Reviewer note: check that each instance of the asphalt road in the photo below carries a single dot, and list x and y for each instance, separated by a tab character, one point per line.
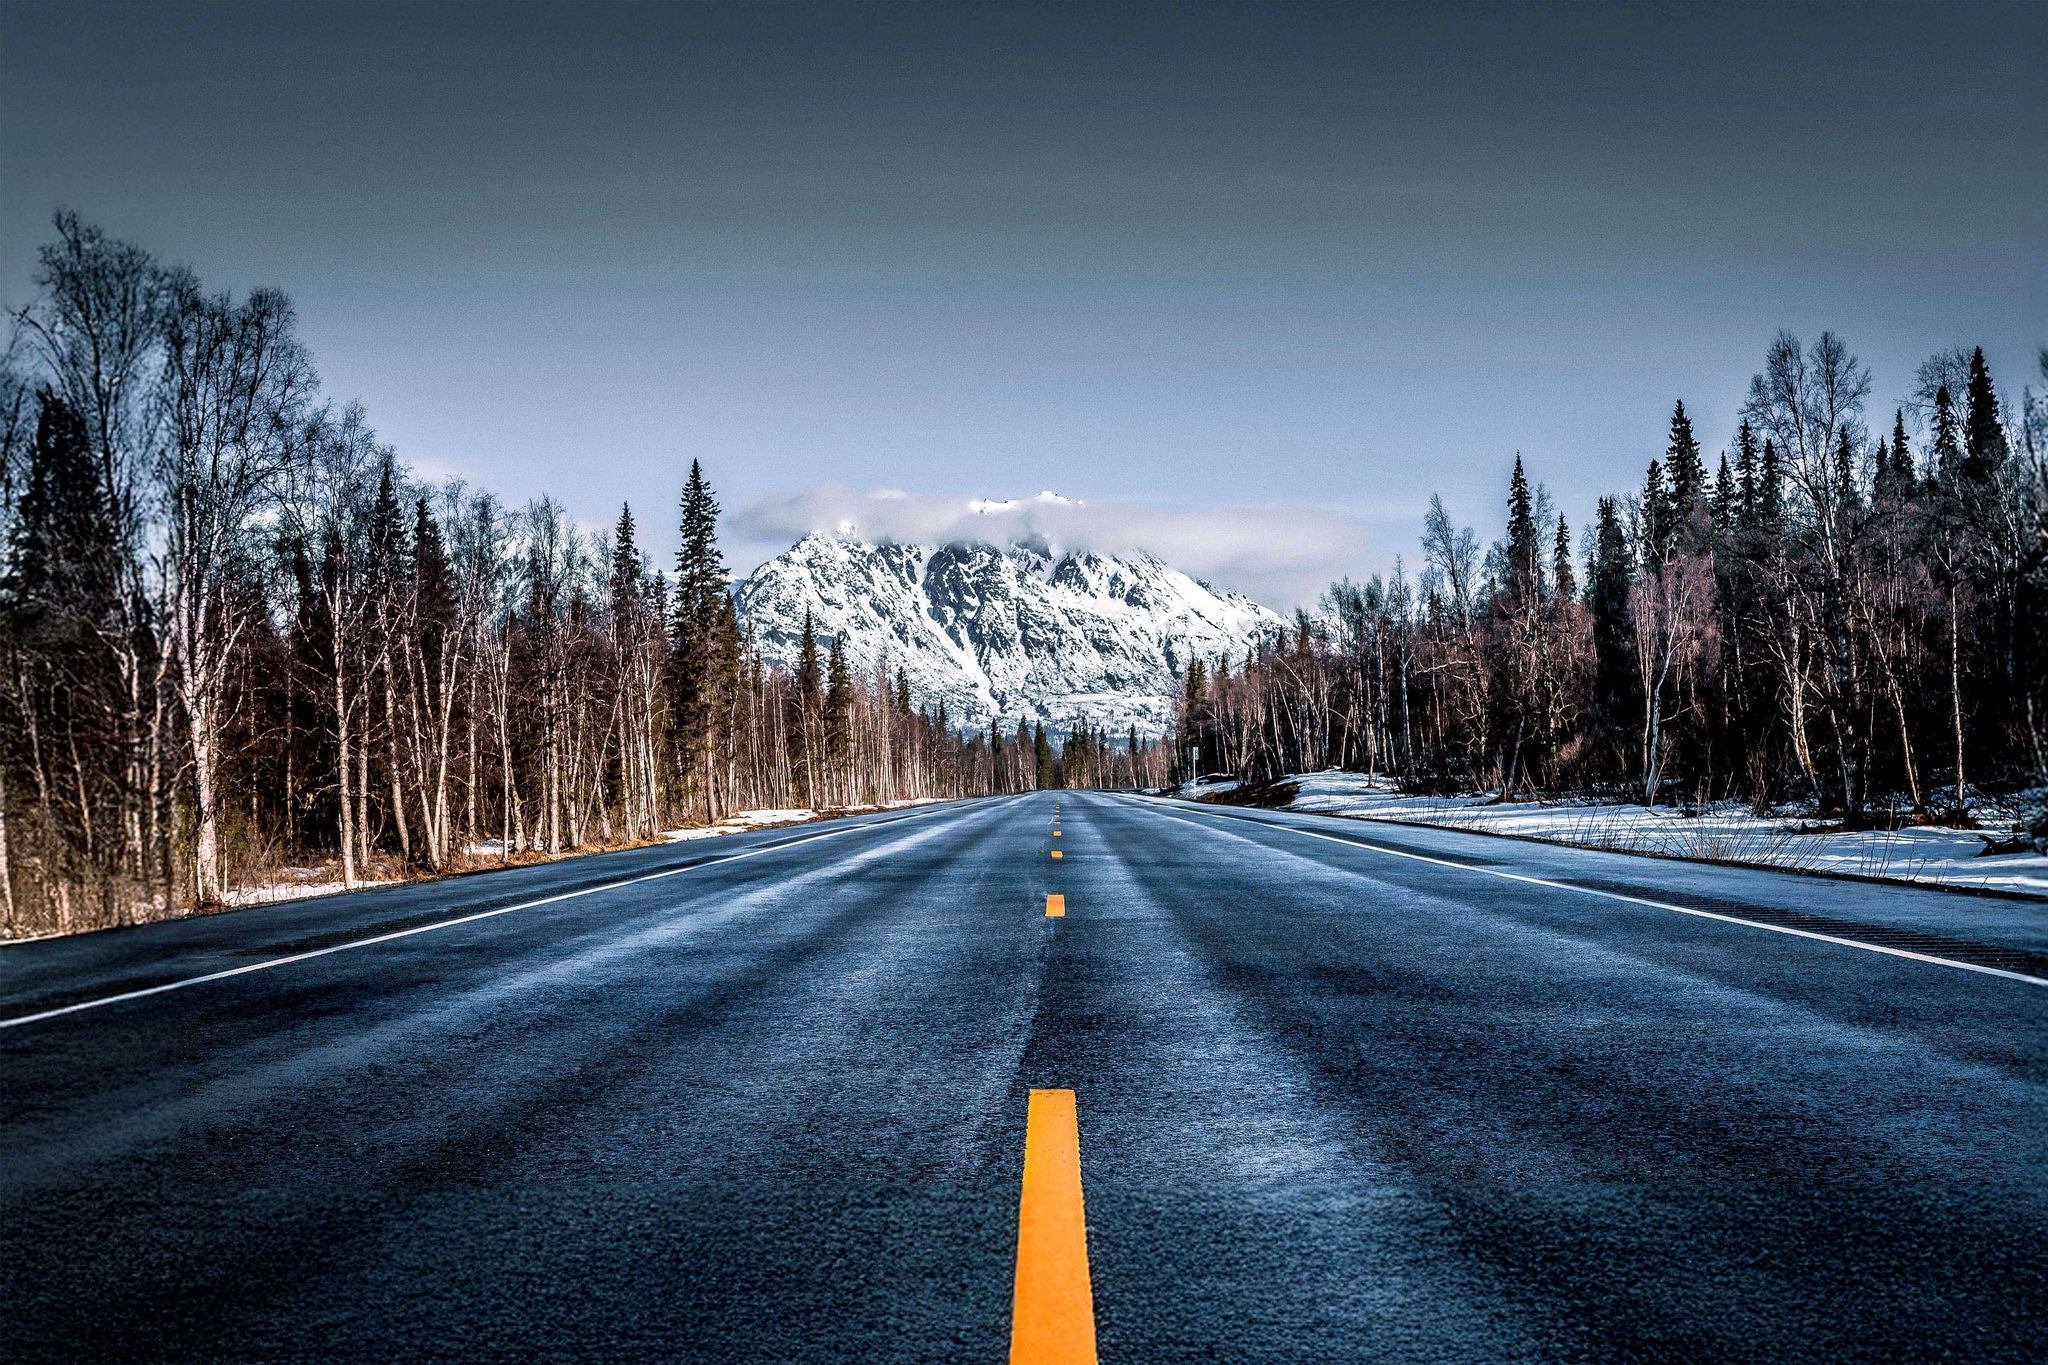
1344	1092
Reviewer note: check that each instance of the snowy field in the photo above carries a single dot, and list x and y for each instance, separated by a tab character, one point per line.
1725	833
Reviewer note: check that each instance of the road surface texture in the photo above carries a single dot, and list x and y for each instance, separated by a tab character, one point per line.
1344	1092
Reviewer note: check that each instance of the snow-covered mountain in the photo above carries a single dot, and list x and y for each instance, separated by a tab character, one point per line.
1005	634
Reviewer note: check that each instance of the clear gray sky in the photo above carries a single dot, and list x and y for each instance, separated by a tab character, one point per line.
1177	261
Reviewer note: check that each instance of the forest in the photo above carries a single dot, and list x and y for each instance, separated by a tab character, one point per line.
238	636
1847	614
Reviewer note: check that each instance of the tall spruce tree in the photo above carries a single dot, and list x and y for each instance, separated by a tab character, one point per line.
1770	496
809	676
1683	468
1563	583
695	621
1727	502
1904	476
57	554
807	704
1983	431
434	578
700	567
1945	444
838	706
1658	520
1615	681
1746	474
387	530
623	582
1523	564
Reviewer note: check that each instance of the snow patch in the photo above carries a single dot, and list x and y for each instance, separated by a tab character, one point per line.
295	890
1728	832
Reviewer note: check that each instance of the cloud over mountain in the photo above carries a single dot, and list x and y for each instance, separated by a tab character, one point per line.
1281	555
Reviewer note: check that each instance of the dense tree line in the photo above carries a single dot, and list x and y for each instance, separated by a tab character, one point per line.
237	634
1848	618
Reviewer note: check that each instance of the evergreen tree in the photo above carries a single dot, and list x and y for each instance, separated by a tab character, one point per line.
1904	477
697	624
1983	431
626	569
1658	522
1746	475
809	676
700	566
1727	503
838	707
1770	497
434	580
57	547
1684	468
387	531
1945	449
1522	560
1041	753
1845	473
728	648
1564	584
1615	682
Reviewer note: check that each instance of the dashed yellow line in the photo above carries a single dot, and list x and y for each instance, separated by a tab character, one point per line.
1056	906
1053	1314
1055	853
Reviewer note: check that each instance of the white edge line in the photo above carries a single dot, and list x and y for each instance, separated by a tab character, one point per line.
1631	900
447	923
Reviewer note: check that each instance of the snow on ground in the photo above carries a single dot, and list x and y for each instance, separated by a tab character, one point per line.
293	890
1215	786
297	882
1729	832
741	821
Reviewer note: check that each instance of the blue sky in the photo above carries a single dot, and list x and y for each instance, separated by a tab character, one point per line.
1181	262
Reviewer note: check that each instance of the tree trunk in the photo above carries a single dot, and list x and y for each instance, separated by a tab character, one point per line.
6	867
348	810
1955	691
206	889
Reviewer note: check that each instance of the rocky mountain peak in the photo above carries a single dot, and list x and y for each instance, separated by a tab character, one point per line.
1005	633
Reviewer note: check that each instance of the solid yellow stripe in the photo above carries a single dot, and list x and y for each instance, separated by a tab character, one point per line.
1055	905
1053	1314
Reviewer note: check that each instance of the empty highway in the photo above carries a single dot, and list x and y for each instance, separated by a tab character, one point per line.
1342	1092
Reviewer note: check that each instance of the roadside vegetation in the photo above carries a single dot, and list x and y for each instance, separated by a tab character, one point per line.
245	650
1844	617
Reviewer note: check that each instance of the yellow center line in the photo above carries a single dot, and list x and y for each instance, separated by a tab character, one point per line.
1056	906
1055	853
1053	1315
1055	834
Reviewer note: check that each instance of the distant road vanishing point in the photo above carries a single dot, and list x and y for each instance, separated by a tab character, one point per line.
1213	1085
